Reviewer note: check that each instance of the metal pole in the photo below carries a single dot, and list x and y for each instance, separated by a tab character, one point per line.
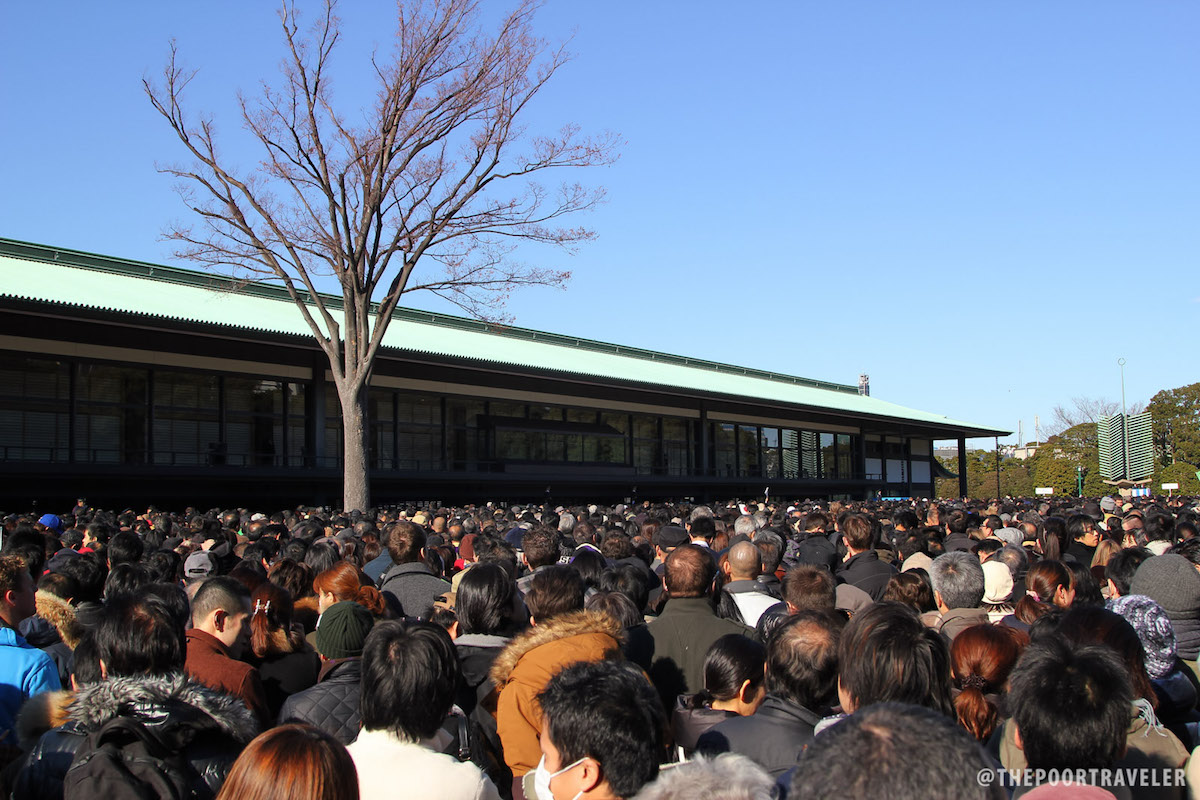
996	440
1124	420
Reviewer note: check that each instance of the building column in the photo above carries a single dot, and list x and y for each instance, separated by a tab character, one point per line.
962	467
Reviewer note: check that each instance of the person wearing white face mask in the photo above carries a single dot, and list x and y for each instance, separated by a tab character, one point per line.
602	734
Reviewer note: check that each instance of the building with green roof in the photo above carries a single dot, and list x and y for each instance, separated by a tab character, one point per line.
126	382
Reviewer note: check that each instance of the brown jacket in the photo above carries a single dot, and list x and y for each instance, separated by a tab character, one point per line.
209	662
526	665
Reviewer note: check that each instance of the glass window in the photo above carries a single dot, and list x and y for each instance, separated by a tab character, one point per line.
645	427
828	456
675	429
748	463
810	455
724	450
790	456
587	415
499	408
254	430
546	412
419	409
111	423
846	448
616	421
34	409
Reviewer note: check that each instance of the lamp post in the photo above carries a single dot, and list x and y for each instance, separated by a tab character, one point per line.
1124	419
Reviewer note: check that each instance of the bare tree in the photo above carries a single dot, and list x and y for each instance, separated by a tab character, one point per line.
1085	409
431	188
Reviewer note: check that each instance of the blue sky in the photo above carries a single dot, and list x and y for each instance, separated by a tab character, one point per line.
983	206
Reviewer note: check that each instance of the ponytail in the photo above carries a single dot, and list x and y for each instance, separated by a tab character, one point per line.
372	600
975	712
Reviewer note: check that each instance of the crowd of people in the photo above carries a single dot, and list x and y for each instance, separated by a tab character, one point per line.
729	651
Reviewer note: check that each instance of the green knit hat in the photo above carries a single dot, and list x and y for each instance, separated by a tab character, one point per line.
342	629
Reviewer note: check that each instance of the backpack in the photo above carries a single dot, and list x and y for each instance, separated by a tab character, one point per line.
125	760
474	738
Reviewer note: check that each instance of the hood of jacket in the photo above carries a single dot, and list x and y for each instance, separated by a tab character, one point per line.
576	623
61	615
161	700
40	713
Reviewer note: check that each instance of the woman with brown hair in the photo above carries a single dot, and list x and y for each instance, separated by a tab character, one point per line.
284	660
1048	585
344	581
292	762
981	657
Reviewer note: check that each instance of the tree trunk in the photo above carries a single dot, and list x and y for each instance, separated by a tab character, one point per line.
356	479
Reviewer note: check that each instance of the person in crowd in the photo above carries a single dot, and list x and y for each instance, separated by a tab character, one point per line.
912	589
1048	585
1085	536
997	590
561	633
1057	680
637	646
727	776
688	625
218	638
734	685
603	733
742	567
1173	582
343	581
862	568
285	662
332	704
981	658
802	687
54	629
770	548
409	586
958	589
25	670
1175	693
141	648
896	751
297	762
539	549
410	672
886	654
483	629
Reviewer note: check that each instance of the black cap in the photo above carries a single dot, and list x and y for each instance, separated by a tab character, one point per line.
670	536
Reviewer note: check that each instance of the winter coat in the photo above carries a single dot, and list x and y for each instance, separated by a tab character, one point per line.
160	702
1177	697
209	662
390	767
332	704
773	737
526	665
1150	746
284	675
55	631
867	572
24	672
682	635
957	620
410	589
689	724
477	652
751	599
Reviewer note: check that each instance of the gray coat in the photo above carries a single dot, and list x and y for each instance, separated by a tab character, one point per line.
410	589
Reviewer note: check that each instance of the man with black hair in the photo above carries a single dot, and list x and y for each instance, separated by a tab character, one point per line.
1085	536
124	548
602	733
1056	681
220	633
801	682
896	751
409	586
688	625
1120	569
862	567
141	648
409	675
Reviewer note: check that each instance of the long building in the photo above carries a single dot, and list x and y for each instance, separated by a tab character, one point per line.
127	382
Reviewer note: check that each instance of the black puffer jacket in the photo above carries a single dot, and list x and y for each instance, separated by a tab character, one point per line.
773	737
331	705
162	703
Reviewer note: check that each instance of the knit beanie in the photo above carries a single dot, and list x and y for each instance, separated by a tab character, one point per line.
1171	581
1153	628
342	630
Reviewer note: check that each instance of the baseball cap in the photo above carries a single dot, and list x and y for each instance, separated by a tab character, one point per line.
199	565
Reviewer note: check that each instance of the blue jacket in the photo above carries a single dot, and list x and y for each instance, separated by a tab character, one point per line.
24	672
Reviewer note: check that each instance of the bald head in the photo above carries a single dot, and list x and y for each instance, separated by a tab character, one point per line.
744	560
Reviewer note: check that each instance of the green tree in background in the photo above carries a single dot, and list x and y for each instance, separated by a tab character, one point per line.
1060	456
1176	416
1179	472
1015	477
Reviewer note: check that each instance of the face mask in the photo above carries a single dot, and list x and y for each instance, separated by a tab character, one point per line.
542	778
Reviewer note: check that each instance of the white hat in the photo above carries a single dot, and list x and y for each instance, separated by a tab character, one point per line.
997	582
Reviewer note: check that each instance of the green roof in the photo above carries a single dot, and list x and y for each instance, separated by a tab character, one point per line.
73	278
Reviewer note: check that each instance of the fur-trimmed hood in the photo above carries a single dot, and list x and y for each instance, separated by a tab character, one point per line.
40	713
576	623
160	700
61	615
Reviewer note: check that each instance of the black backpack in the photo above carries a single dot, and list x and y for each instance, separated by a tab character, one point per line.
474	738
125	760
